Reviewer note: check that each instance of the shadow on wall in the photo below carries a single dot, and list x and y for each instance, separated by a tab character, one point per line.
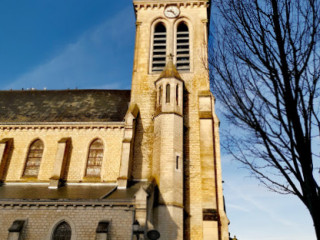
186	166
163	219
6	159
24	233
137	157
66	161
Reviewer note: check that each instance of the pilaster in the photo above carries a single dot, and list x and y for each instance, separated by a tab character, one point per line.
6	147
61	160
127	146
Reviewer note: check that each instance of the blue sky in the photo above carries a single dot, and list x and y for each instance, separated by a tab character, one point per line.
59	44
65	44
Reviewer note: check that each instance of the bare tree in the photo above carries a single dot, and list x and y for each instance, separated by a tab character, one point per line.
265	69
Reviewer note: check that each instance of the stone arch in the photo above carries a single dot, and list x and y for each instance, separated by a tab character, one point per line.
57	223
62	231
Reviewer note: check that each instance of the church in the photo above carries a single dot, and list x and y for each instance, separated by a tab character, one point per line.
120	164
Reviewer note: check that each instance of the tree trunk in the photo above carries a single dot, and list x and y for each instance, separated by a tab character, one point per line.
315	214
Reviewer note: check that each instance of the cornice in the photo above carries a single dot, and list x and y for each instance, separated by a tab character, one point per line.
62	126
20	204
143	4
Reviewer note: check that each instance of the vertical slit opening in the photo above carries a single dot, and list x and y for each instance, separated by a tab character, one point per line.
168	93
177	162
177	94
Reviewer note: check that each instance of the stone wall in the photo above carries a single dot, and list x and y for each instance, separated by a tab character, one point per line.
198	162
81	137
202	184
41	221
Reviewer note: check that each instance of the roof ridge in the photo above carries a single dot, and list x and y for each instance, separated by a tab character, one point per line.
64	90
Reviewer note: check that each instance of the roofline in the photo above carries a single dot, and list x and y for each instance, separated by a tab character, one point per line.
105	202
168	1
62	123
63	90
112	184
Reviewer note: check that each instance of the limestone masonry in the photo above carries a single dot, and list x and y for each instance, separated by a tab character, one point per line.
118	164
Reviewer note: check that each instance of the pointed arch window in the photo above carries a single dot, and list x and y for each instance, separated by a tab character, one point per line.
183	47
34	159
62	232
95	157
168	93
159	50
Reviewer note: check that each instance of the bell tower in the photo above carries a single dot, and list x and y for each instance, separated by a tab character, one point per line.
176	141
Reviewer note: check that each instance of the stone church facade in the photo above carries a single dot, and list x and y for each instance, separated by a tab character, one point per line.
119	164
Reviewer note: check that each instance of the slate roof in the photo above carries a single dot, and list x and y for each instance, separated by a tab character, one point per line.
79	192
42	192
63	106
170	71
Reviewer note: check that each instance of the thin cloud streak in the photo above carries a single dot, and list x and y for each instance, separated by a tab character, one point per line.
238	207
258	205
92	58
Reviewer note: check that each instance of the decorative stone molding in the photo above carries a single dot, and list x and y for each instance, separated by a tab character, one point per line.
151	5
62	126
65	205
205	104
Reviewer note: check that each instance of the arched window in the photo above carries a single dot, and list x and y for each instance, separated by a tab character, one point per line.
95	157
159	50
168	93
62	232
183	47
177	94
33	159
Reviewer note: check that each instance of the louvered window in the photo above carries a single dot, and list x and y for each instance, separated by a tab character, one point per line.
95	157
34	159
183	48
159	50
62	232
